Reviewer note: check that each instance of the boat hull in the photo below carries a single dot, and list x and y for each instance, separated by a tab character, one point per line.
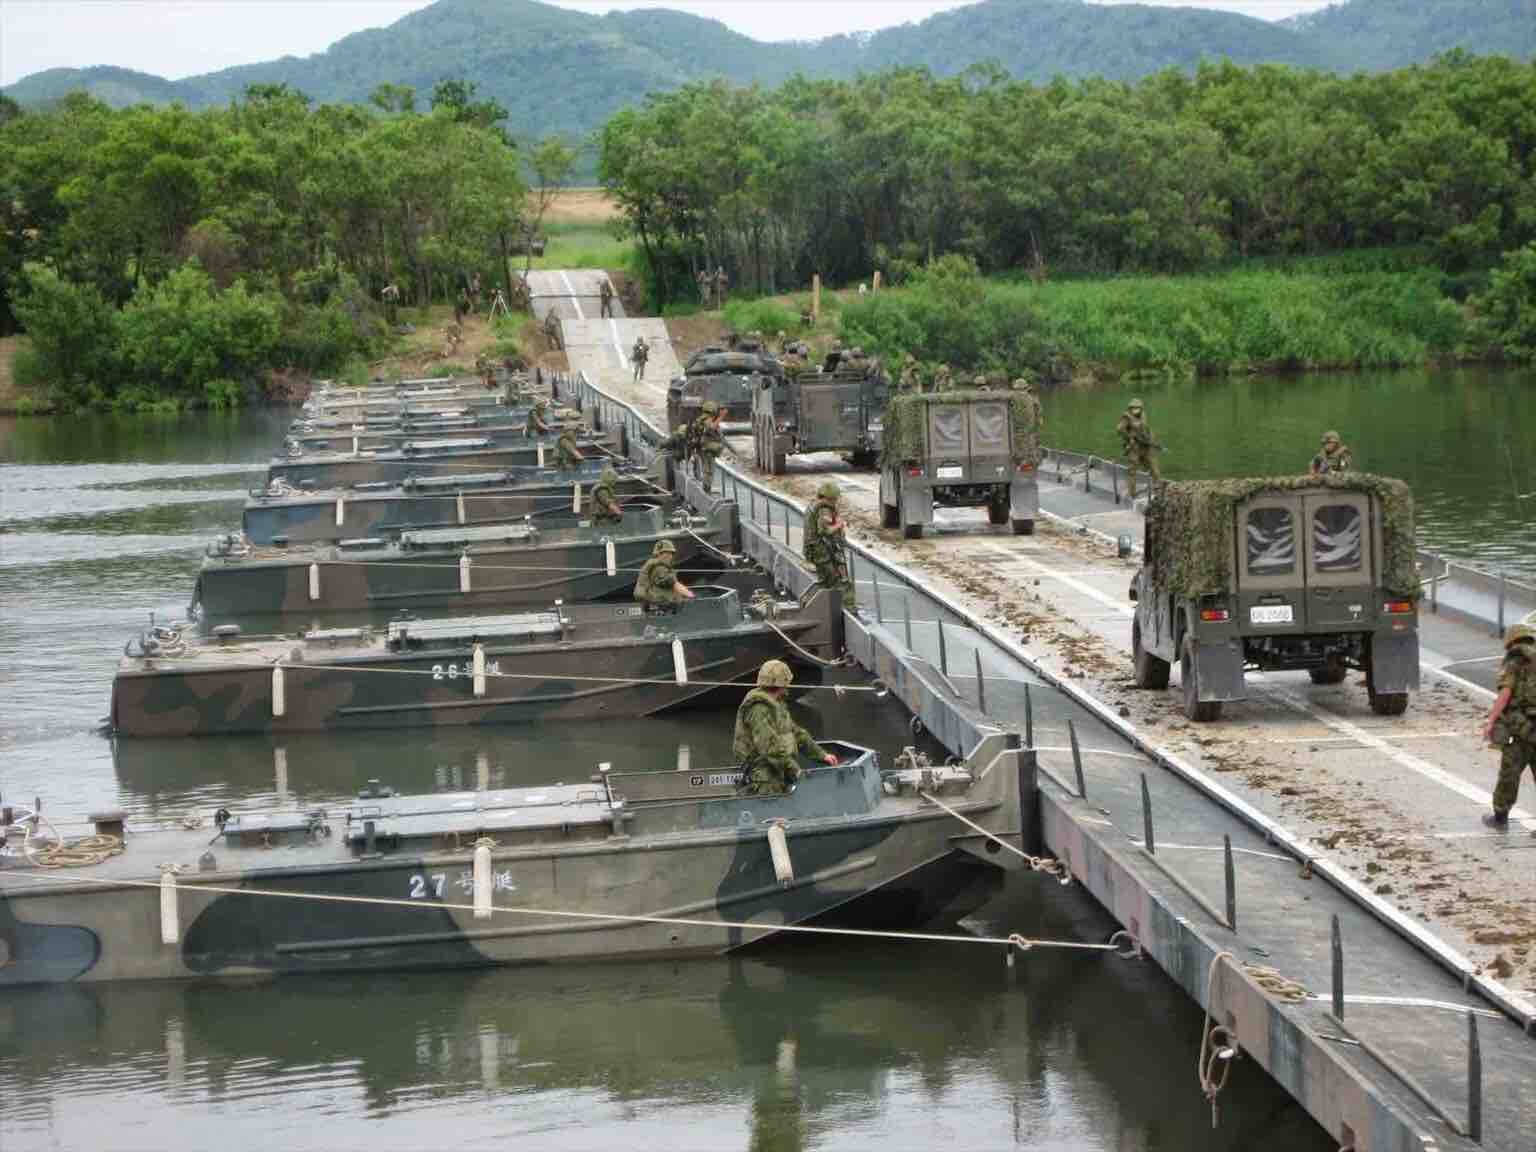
341	471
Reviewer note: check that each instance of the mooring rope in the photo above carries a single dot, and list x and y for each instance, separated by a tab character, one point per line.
1216	1045
1046	864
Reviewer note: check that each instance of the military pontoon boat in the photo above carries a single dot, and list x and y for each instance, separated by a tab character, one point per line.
428	456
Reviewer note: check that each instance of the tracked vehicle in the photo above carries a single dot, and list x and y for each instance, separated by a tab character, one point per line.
839	407
729	377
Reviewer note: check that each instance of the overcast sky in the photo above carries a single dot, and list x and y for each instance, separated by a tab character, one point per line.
176	38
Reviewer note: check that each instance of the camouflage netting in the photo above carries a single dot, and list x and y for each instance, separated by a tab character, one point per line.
906	423
1199	513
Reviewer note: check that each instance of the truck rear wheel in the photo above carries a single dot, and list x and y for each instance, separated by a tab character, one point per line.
1023	527
1150	670
908	531
1196	709
890	516
997	510
1382	703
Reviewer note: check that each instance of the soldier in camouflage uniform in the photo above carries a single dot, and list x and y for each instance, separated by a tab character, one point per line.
826	548
942	382
605	499
1511	726
706	441
538	419
1024	391
567	455
605	299
1333	457
1137	444
767	740
639	354
553	333
658	585
909	378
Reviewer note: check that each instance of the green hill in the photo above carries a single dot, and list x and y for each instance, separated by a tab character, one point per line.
560	70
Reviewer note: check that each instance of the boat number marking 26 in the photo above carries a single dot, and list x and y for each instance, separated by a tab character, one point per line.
465	670
434	885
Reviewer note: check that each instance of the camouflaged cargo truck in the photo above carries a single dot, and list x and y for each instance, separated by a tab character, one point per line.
1286	573
839	407
959	449
727	376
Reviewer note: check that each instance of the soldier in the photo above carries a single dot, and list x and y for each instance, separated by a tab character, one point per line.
606	508
767	740
567	455
1333	457
553	333
391	298
487	372
1511	726
707	441
1024	390
658	585
826	547
941	379
704	281
1137	443
639	354
605	298
722	282
782	339
909	378
538	419
980	384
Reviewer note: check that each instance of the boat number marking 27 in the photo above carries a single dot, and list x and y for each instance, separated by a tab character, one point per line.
434	885
465	670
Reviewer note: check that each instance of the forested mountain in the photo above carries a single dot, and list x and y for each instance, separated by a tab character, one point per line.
561	70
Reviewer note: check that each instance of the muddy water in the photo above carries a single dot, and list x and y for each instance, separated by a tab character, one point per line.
890	1047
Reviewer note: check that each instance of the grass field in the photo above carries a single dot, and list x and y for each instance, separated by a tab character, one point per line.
578	226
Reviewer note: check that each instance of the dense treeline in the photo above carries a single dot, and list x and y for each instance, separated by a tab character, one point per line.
163	254
1176	173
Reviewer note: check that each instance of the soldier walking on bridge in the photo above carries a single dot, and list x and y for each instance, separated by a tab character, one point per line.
1511	726
605	299
826	545
639	354
767	742
1137	444
706	442
1334	456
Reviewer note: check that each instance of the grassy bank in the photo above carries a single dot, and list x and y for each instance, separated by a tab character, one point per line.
1258	320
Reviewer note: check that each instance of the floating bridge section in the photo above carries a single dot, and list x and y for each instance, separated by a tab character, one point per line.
1384	1034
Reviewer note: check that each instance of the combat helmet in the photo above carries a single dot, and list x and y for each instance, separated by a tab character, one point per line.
664	548
608	478
1022	384
829	491
1330	437
1135	405
1521	633
774	674
710	408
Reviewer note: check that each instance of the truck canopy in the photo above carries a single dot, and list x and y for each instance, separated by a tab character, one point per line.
1190	528
906	422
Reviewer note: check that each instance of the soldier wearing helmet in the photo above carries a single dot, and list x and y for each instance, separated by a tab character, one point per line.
1137	444
1333	456
538	418
658	585
1511	726
1027	404
768	742
567	455
825	546
706	441
942	379
605	498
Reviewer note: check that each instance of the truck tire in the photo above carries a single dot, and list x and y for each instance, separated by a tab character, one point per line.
777	460
1150	671
997	510
908	531
890	515
1333	671
1200	711
1382	703
1023	527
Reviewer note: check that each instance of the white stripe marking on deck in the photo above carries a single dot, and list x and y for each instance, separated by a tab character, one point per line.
570	291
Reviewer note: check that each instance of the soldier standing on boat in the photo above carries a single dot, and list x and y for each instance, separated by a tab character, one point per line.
767	740
707	441
538	418
825	546
658	585
639	354
1137	444
605	299
1334	456
1511	726
606	508
567	455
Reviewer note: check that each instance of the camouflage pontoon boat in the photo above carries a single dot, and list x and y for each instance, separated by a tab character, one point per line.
459	568
554	498
425	457
569	662
629	865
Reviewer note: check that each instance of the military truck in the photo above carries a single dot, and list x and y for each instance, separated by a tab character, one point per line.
729	377
837	407
1284	573
959	449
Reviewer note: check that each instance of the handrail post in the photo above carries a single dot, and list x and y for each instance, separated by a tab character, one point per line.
1077	761
981	683
1029	719
944	654
1231	876
1146	817
1337	952
1474	1081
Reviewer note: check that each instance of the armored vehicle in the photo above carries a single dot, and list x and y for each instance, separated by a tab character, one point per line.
1304	573
959	449
626	865
729	377
839	407
568	662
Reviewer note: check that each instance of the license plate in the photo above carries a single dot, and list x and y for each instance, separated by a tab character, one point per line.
877	425
1271	614
950	472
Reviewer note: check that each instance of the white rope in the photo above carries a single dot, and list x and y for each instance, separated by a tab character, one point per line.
1046	864
1214	1040
1016	941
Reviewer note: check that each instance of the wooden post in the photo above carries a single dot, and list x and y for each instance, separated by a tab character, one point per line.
816	298
875	281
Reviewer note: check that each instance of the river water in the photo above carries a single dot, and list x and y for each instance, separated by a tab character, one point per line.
826	1046
1464	440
